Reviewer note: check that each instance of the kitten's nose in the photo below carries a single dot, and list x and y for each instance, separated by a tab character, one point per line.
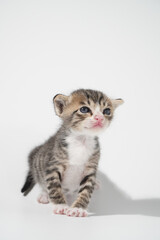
99	118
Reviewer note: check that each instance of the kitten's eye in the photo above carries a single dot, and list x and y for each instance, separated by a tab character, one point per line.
107	111
84	109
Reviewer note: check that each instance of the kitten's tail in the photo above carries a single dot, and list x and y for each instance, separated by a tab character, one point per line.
28	185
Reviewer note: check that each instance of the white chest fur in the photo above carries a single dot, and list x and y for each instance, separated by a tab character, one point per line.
80	148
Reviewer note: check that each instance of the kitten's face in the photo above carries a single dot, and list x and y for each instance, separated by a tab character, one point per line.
86	111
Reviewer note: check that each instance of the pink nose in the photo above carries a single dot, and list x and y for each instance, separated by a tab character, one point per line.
99	118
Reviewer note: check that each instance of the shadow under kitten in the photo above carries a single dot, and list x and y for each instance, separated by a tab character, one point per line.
110	200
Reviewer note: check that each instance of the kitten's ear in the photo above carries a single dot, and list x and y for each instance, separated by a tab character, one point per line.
117	102
60	101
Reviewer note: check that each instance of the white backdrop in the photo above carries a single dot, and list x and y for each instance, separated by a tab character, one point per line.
50	47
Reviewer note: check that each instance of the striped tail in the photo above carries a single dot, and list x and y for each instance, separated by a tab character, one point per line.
29	184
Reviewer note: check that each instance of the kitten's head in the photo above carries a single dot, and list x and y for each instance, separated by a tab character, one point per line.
86	111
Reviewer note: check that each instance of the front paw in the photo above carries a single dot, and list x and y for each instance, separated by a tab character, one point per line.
76	212
60	208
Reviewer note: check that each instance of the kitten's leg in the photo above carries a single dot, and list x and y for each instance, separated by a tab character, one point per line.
86	188
53	183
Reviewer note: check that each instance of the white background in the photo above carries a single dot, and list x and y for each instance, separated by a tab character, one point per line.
49	47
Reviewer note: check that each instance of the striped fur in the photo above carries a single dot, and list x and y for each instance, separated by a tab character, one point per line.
53	164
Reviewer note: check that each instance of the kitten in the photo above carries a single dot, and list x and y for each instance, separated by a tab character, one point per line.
65	166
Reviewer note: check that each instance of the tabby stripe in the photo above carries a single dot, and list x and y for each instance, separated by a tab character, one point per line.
58	199
82	103
48	171
58	196
76	122
50	179
75	112
88	188
86	178
55	197
54	170
71	117
63	143
54	192
87	95
84	198
100	99
60	178
53	185
81	204
53	162
97	152
80	116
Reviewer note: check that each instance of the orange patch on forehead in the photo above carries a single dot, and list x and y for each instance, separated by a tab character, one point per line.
74	103
78	98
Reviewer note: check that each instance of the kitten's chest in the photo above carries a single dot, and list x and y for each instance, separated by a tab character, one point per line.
80	148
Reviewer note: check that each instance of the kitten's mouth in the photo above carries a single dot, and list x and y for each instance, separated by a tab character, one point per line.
96	125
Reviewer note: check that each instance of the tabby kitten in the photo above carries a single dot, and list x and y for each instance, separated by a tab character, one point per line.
65	166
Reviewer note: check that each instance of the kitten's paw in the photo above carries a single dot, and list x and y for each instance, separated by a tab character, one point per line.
60	208
76	212
43	198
